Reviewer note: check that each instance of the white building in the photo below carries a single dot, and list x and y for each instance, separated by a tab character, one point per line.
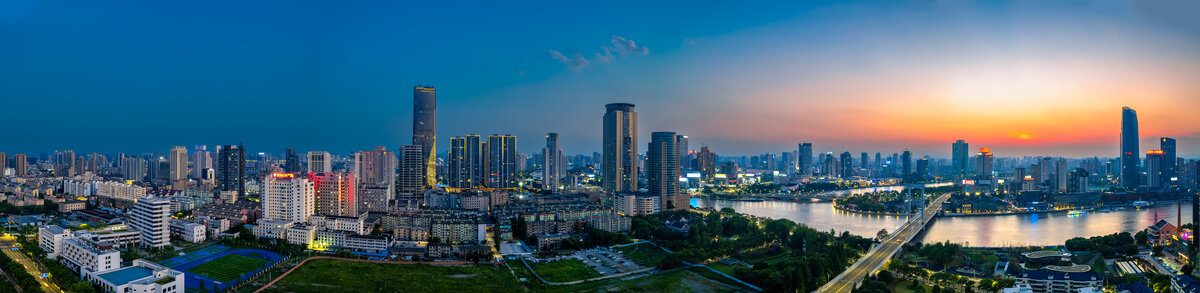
348	224
273	229
319	162
286	197
188	231
50	239
119	237
141	277
85	256
300	234
150	216
636	205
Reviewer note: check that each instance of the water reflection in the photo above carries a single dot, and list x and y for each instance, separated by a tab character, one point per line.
989	231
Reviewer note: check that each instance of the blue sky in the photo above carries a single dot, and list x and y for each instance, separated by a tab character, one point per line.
140	76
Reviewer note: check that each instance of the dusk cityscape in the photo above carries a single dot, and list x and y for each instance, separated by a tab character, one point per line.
403	146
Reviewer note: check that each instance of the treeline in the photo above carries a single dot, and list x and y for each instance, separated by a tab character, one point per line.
47	205
1107	245
59	274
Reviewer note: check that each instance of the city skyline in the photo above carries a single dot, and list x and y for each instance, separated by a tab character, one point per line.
1036	86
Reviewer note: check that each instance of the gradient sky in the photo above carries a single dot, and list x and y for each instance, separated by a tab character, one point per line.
1023	77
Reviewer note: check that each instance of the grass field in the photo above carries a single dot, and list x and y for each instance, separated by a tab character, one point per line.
326	276
227	268
645	254
671	281
564	270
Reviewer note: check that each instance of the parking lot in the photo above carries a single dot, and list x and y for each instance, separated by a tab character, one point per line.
605	261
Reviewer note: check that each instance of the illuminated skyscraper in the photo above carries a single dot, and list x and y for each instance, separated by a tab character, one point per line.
287	197
620	148
178	160
333	194
465	165
501	167
958	165
1129	149
906	164
1170	164
805	160
231	169
1155	167
847	167
662	170
410	177
424	131
707	163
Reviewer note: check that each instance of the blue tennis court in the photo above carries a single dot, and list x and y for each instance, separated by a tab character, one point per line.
195	255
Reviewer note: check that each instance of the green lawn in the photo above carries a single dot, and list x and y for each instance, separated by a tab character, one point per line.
680	281
724	268
326	276
563	270
645	254
228	268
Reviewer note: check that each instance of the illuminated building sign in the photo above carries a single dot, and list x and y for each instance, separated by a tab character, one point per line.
283	175
1154	152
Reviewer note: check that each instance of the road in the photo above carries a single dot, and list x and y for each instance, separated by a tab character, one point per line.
7	243
879	256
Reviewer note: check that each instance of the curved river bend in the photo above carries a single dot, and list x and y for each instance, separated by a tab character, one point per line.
977	231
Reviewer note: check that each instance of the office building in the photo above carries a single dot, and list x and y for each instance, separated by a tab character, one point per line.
333	194
150	217
958	164
187	231
501	165
177	161
1129	149
84	256
662	170
1170	162
287	197
231	169
620	166
1078	181
984	164
922	169
424	131
1062	176
681	141
906	164
706	161
1155	167
553	166
142	277
201	161
50	239
291	161
465	164
846	169
376	171
319	162
410	183
805	160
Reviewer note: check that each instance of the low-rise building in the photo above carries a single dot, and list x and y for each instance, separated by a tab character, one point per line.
71	206
50	239
272	229
637	204
188	231
119	237
84	256
367	243
356	225
551	241
301	234
1059	282
610	223
141	277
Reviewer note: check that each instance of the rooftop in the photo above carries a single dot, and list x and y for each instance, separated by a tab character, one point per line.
126	275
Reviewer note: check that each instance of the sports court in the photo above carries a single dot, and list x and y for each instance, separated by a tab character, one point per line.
219	268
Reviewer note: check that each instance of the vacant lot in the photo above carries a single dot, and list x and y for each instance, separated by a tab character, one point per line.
645	254
563	270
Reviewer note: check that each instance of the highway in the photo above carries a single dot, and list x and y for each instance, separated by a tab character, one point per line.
877	257
7	243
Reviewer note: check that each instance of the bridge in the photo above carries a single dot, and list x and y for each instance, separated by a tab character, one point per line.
877	257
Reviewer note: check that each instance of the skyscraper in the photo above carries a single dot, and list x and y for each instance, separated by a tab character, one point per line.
959	156
847	167
3	163
922	169
707	162
906	164
319	162
1155	167
465	165
424	131
1129	149
1170	164
64	163
21	165
287	197
333	194
662	169
231	169
177	160
291	161
682	142
620	148
201	161
1062	176
984	164
806	160
410	176
376	171
553	166
501	164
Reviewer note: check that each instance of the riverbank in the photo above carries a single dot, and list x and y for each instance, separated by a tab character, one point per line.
1009	213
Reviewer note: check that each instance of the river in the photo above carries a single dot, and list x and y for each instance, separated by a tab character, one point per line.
976	231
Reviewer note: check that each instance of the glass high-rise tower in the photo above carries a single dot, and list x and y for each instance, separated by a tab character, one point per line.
620	148
1129	149
424	131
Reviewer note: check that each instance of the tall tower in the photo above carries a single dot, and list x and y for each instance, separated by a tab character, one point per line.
1170	164
20	164
464	167
620	148
1129	149
410	178
1155	167
177	159
424	131
847	167
291	161
501	161
287	197
333	194
906	164
231	169
806	160
376	171
553	166
662	169
959	157
201	161
707	163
